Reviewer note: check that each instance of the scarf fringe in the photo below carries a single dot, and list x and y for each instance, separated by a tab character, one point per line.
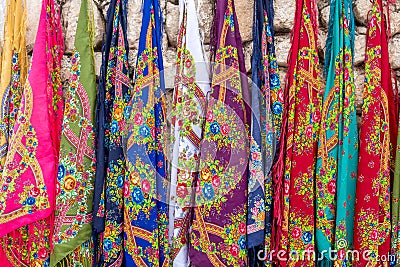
82	256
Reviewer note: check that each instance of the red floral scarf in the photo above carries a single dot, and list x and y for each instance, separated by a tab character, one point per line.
377	142
293	228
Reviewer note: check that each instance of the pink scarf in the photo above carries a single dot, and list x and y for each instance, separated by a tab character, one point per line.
27	184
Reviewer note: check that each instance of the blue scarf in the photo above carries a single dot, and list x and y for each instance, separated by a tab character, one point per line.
267	104
112	112
145	209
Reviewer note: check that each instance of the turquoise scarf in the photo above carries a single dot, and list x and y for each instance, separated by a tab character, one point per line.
338	143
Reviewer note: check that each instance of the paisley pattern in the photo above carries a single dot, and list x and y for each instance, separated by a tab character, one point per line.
112	113
219	230
145	186
188	117
77	166
294	173
378	133
336	170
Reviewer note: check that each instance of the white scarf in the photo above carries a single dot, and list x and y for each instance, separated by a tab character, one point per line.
191	89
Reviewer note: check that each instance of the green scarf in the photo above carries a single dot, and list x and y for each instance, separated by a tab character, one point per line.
73	216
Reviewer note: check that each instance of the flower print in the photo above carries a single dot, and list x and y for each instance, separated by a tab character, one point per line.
321	213
277	108
134	178
309	131
216	181
31	200
214	128
269	137
144	131
34	191
307	237
208	191
127	111
61	172
332	187
145	186
118	113
126	189
107	244
296	232
205	174
181	190
316	116
374	235
198	187
242	228
254	156
242	242
286	185
385	127
274	79
120	181
42	253
225	129
234	250
114	126
137	195
69	183
138	119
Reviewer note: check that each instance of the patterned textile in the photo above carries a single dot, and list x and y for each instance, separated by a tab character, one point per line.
378	133
219	227
13	72
336	170
28	179
112	113
293	228
395	207
145	189
76	169
2	20
192	84
267	109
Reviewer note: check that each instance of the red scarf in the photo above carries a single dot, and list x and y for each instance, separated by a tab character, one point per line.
377	142
294	172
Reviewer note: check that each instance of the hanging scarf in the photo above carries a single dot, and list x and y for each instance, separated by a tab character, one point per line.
72	227
378	134
395	238
2	20
30	167
112	112
13	72
336	170
219	227
293	174
267	104
145	192
191	88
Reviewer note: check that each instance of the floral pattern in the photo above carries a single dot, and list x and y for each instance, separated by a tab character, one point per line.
145	209
294	194
188	118
378	133
112	112
267	95
219	231
336	170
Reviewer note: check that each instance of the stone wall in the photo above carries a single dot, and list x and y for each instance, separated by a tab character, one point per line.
284	16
